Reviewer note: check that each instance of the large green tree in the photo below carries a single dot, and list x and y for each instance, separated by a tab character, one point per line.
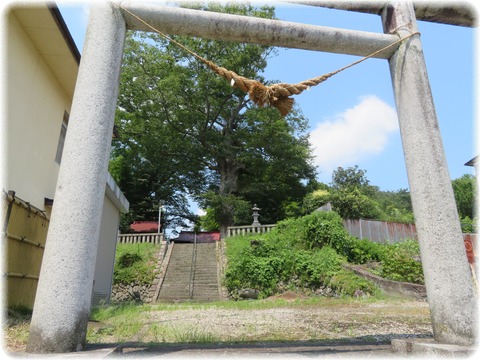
184	130
351	194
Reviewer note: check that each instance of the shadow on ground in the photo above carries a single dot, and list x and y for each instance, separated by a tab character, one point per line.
365	346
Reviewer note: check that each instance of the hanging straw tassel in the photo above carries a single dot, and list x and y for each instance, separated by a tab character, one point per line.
276	95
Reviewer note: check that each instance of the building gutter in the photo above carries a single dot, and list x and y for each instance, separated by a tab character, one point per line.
62	26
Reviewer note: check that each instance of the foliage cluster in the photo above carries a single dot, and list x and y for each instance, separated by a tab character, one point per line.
135	263
469	225
304	253
307	254
465	192
229	209
352	196
401	262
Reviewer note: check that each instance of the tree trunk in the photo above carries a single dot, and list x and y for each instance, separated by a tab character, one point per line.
228	170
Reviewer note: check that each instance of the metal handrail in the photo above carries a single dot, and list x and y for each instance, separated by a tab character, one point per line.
192	267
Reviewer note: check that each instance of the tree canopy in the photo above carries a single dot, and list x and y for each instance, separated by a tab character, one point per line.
352	197
464	190
186	132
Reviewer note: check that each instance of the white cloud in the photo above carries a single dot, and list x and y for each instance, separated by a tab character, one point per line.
355	134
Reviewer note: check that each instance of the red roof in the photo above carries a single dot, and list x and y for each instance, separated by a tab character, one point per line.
144	226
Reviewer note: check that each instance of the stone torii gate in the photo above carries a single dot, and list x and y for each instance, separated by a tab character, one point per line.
62	304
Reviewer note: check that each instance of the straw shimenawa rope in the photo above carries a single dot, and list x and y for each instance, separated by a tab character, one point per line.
276	95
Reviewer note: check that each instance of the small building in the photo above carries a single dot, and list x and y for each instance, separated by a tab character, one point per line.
200	237
42	63
475	163
144	227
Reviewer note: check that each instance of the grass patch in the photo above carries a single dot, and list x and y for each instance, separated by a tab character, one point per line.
132	310
135	263
16	326
117	323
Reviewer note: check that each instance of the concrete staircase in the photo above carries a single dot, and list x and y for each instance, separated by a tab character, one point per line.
191	274
205	284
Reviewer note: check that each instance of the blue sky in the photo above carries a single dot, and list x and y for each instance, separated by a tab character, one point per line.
352	115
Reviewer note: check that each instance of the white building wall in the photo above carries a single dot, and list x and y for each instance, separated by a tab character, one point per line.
106	253
35	107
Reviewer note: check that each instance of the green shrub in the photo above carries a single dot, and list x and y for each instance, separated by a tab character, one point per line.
288	230
469	225
314	200
315	269
362	251
307	253
253	264
399	262
351	203
402	268
320	229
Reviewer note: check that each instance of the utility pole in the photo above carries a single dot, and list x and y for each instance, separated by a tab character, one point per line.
160	207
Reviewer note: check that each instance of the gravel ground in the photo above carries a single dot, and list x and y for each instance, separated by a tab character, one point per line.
375	321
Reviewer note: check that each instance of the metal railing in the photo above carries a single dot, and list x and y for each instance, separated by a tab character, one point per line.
380	231
154	238
249	229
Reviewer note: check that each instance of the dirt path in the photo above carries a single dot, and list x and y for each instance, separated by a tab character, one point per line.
375	321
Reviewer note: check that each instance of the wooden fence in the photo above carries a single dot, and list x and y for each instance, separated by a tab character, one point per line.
249	229
154	238
24	235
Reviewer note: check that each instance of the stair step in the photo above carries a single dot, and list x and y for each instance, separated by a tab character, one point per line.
176	283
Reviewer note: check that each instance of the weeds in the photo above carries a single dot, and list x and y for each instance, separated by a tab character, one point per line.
193	335
16	326
135	263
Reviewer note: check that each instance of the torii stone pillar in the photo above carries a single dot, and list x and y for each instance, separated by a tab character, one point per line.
450	289
62	303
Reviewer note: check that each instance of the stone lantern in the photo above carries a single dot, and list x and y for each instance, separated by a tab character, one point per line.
255	215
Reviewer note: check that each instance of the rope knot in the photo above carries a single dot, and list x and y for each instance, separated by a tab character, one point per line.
272	95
